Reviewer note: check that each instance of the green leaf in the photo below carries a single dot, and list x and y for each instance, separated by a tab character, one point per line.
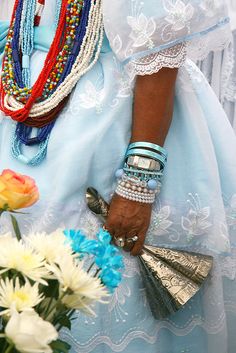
64	321
59	346
52	289
16	227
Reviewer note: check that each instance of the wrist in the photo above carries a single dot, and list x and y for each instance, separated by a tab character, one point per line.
140	178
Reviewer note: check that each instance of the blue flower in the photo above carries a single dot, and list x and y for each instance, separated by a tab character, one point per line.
80	244
106	256
110	278
110	258
104	236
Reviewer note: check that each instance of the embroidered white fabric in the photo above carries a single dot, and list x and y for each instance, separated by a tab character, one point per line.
173	57
199	48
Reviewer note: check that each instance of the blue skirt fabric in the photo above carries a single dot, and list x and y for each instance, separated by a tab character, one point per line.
196	209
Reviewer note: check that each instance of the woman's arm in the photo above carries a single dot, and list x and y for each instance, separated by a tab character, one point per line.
153	106
152	115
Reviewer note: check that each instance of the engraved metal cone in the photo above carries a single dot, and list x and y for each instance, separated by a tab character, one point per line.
171	277
97	204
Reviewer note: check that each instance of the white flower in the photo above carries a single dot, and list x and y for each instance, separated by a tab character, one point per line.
30	333
179	14
24	297
51	246
5	239
143	29
18	256
83	289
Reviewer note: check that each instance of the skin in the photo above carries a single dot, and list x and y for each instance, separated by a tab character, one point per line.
152	115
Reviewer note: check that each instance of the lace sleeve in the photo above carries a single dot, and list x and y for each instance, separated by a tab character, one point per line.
173	57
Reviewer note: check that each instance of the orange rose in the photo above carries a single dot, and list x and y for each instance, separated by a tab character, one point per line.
16	190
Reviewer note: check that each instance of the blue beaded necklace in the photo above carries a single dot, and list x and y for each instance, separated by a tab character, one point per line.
23	132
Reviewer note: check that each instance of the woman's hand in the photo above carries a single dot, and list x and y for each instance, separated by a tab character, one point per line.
129	218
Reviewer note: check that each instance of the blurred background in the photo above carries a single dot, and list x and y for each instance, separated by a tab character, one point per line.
220	69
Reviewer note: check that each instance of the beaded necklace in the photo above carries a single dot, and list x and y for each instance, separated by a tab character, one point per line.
75	49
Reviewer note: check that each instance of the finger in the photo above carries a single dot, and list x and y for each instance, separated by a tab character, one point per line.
138	246
118	237
110	230
130	239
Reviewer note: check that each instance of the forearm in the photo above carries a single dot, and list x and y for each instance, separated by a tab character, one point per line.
153	106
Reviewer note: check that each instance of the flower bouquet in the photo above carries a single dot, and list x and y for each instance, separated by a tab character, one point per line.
44	278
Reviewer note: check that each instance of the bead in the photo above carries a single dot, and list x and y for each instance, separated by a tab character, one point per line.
152	184
25	61
119	173
89	51
15	55
23	159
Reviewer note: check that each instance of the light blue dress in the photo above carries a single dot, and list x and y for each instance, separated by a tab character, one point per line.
196	209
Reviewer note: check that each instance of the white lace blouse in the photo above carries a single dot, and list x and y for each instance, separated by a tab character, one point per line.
148	35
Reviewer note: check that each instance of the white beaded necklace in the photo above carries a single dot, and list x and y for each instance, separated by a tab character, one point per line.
89	54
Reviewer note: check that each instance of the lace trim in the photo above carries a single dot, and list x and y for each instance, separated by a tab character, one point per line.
173	57
229	74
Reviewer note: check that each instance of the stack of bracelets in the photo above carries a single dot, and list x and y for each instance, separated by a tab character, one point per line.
140	178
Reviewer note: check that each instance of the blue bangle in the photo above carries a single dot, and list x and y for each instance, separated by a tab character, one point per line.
144	172
149	145
145	153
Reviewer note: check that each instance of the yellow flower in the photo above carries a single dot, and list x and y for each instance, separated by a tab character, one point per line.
16	190
51	246
83	289
22	297
20	257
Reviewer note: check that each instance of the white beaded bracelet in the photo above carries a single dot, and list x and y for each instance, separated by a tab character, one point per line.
143	197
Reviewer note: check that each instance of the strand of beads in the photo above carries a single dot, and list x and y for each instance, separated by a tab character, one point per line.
88	56
22	134
27	44
67	37
140	178
31	95
65	64
135	189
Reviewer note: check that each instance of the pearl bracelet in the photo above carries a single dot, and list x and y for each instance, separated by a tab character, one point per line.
135	197
135	190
